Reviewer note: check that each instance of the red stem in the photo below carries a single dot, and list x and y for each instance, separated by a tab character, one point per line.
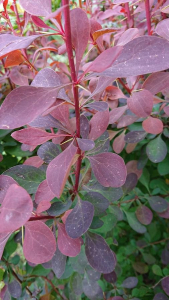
148	16
126	88
75	87
128	13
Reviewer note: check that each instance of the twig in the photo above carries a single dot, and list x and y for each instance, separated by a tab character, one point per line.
155	243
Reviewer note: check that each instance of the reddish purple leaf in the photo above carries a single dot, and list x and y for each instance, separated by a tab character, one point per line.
9	42
32	136
141	103
126	120
153	125
119	143
18	78
98	253
116	113
132	168
85	144
43	206
98	124
143	55
144	215
166	110
43	193
67	246
59	168
39	243
37	8
102	83
34	161
80	219
162	29
114	92
38	22
165	285
35	98
5	183
3	240
16	209
14	110
156	82
109	169
128	35
48	152
55	13
80	30
104	60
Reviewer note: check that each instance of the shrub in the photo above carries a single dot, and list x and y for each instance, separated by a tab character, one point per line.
84	199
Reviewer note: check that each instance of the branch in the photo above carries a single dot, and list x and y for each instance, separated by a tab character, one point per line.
75	87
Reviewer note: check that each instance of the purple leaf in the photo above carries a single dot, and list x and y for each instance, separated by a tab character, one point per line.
158	203
5	183
116	113
98	124
43	206
48	151
16	209
67	246
165	214
15	289
39	244
46	122
98	105
98	253
130	282
135	136
156	82
80	30
143	55
126	120
130	184
85	144
84	127
153	125
59	168
144	215
104	60
38	8
109	169
165	285
110	277
141	103
43	193
80	219
134	223
9	42
162	29
3	240
160	296
32	136
99	202
92	289
49	78
58	263
58	208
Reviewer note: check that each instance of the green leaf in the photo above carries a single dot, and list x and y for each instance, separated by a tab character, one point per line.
27	176
145	178
17	151
157	270
134	223
110	221
1	274
40	271
163	167
156	150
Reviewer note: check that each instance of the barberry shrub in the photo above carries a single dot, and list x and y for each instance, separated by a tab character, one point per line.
84	90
